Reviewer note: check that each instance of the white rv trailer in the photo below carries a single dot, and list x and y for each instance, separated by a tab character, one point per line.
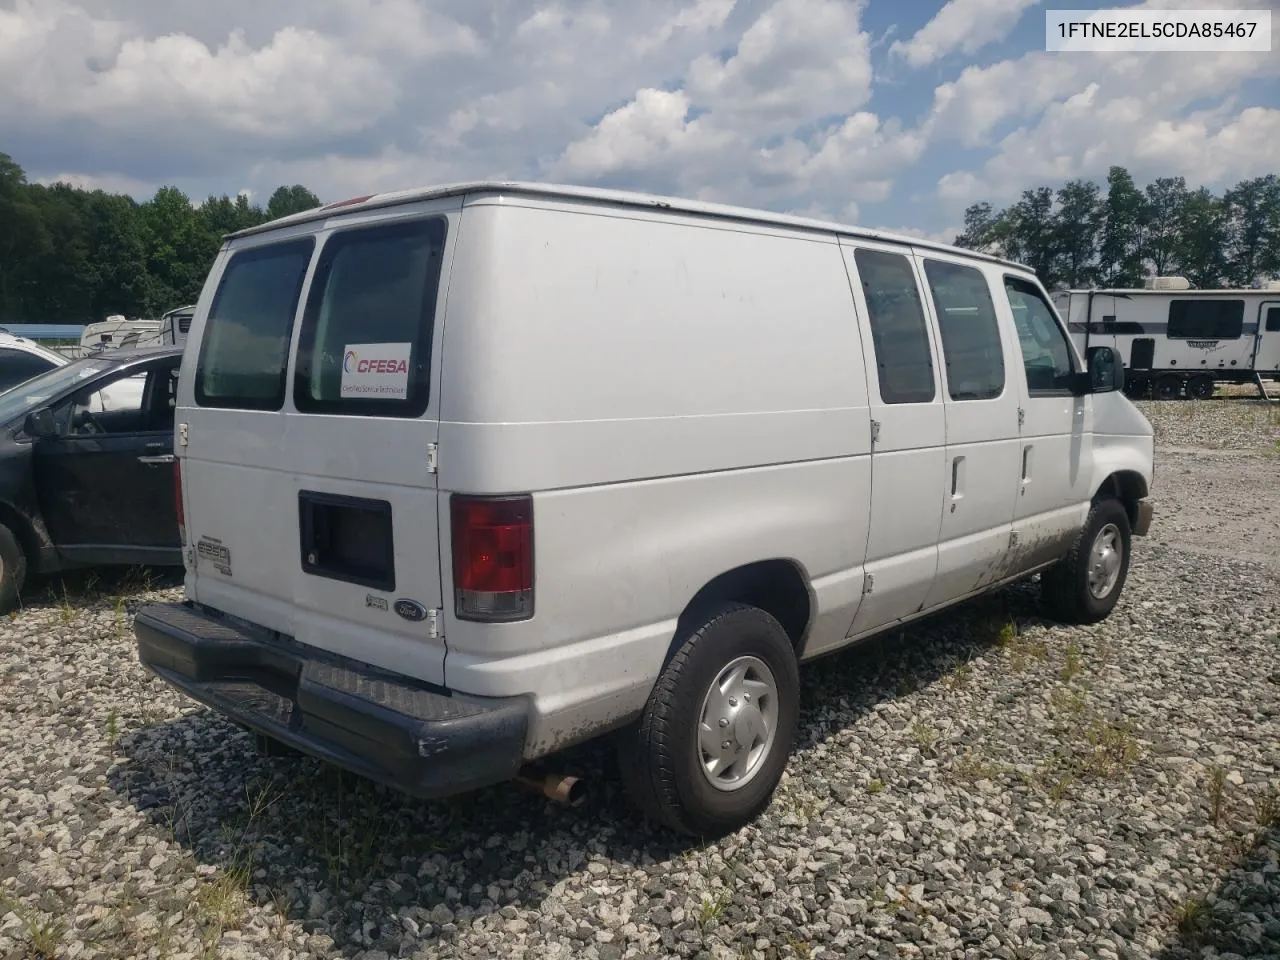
175	324
1173	338
118	331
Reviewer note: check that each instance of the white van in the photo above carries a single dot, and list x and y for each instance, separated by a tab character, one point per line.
473	473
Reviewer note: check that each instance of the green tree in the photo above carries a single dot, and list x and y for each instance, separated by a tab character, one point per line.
289	200
1253	216
1203	230
1032	235
1076	227
1120	249
1162	221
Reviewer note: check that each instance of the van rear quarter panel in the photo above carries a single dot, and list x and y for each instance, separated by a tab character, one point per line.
682	397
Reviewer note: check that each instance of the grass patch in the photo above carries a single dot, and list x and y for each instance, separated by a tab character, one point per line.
875	786
925	736
1071	664
1111	751
1191	917
712	908
43	934
1266	808
971	768
1216	789
221	902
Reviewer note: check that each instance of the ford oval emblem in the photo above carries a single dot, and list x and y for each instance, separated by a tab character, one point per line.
411	610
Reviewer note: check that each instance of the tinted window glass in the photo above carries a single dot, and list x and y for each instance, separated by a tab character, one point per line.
904	362
18	366
971	346
366	336
1273	320
113	407
1046	355
1206	319
246	339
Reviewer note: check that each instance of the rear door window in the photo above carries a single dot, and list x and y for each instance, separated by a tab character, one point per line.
904	361
245	347
971	346
365	346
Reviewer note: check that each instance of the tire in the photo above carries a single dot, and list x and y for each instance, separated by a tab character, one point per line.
1135	387
13	569
1168	388
661	756
1079	591
1200	387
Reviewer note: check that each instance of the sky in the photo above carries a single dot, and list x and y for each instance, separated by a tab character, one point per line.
894	114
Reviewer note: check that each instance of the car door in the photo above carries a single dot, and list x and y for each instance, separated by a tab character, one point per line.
105	482
1056	433
908	430
982	445
1266	355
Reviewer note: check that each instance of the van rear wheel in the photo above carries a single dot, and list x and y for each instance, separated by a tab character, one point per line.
1085	585
710	748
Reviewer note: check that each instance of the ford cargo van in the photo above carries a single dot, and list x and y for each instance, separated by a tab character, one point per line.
472	473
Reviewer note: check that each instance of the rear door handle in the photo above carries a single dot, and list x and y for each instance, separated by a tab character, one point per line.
155	461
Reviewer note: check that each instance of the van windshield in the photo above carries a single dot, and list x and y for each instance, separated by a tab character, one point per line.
245	347
26	397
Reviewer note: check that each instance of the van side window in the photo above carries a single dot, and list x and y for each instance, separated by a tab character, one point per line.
1201	319
365	345
904	362
245	347
971	347
1273	320
1046	355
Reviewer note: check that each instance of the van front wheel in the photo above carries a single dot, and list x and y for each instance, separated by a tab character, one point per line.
1084	586
710	748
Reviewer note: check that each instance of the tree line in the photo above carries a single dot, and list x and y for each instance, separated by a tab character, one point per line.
69	255
1084	234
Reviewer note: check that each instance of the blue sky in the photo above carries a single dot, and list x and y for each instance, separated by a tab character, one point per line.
888	113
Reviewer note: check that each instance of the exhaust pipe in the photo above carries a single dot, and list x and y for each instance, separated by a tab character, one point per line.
555	786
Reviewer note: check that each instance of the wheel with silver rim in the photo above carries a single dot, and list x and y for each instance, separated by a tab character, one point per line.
738	723
1085	585
1105	560
708	751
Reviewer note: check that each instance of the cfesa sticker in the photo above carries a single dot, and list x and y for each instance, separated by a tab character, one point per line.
376	371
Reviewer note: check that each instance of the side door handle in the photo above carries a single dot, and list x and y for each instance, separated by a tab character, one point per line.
157	460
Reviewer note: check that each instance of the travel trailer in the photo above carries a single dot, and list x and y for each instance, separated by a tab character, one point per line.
1176	341
175	325
118	331
469	474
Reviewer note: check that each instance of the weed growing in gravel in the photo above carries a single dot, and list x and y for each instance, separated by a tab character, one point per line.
1112	749
43	934
968	767
1071	665
222	902
961	676
1217	790
925	736
113	729
875	786
1192	920
1266	807
712	908
801	948
1071	702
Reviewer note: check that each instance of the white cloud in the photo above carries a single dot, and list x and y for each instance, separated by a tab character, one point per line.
961	25
799	58
946	235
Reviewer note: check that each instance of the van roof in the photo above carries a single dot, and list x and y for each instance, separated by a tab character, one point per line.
616	198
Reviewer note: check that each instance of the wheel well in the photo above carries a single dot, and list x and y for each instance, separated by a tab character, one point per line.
1126	486
775	586
22	532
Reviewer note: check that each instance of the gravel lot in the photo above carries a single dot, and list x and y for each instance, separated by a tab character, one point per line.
985	785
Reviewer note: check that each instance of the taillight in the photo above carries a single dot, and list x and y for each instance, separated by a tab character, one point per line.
177	501
492	557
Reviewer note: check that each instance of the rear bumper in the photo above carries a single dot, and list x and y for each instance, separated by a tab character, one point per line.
424	740
1143	520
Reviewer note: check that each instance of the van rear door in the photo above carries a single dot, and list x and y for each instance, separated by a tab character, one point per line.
309	396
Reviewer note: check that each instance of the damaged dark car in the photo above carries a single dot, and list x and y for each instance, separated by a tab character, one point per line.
86	467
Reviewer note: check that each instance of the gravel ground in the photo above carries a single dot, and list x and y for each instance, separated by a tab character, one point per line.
985	785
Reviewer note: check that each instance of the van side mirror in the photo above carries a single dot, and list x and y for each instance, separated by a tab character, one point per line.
40	424
1106	370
